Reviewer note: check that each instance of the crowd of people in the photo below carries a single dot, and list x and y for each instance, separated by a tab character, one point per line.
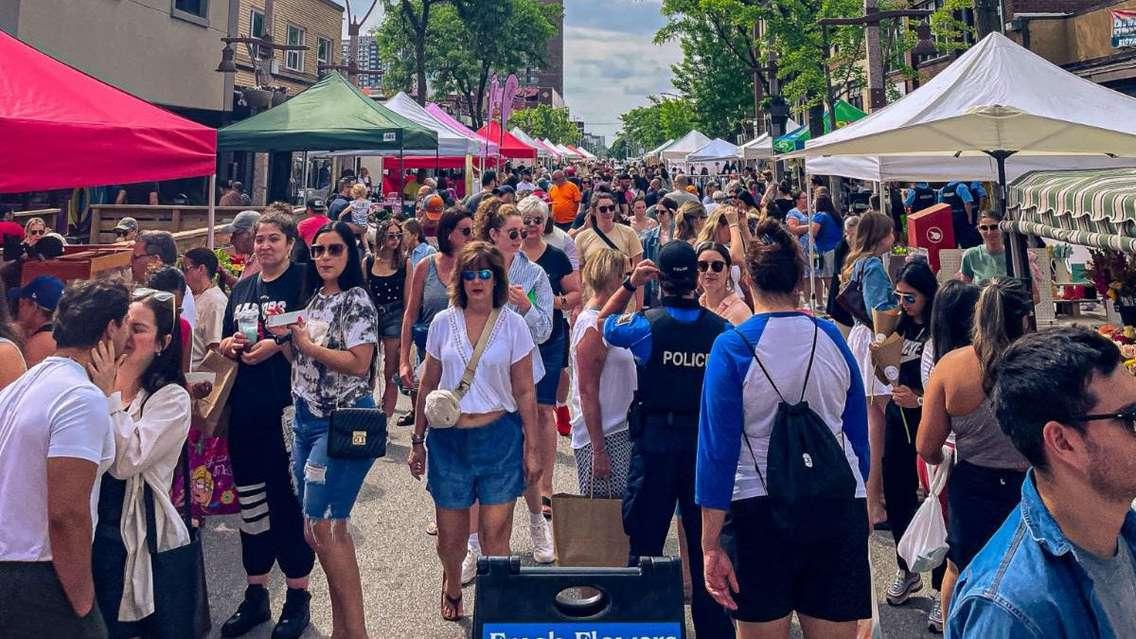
667	326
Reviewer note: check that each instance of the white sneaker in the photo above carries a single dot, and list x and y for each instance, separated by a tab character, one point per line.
469	565
541	533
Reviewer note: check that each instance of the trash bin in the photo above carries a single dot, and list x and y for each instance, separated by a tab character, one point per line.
579	603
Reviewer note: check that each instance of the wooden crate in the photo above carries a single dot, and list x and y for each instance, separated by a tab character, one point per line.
82	262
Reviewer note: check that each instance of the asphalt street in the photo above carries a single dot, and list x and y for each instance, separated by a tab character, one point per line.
401	573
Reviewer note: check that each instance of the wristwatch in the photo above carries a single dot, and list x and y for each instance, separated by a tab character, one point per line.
628	285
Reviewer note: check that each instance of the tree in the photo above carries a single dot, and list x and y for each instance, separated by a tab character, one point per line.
649	126
412	21
718	85
543	121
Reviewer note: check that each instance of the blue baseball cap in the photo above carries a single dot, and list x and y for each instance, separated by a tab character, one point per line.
44	290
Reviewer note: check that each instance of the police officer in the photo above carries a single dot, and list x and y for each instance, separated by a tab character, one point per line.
919	197
964	220
670	343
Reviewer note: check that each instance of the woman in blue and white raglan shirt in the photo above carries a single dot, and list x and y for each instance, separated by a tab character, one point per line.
828	584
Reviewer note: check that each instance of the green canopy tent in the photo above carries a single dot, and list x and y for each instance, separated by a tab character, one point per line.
795	140
1095	207
330	115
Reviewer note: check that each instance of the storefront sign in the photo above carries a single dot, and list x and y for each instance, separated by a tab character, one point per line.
1123	29
600	630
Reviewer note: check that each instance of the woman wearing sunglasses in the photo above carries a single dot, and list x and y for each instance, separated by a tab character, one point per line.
333	349
984	262
530	295
428	293
915	288
386	274
718	293
986	480
34	231
150	416
488	456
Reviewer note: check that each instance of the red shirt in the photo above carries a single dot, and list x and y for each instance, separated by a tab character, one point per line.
8	228
308	226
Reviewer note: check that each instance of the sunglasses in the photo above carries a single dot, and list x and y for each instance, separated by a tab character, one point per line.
987	227
1127	416
514	234
43	232
716	265
482	274
394	236
331	250
605	209
532	221
905	298
466	231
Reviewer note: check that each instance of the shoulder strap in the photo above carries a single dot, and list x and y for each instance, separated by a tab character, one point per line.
808	370
467	376
603	236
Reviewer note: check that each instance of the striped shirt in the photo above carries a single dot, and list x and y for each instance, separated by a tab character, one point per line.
532	278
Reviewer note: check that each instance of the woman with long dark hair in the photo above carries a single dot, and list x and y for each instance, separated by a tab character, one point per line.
952	323
386	273
333	350
150	415
986	479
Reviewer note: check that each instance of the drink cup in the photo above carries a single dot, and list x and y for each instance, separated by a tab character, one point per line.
247	322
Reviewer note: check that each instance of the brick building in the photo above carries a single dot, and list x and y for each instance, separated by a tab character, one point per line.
316	24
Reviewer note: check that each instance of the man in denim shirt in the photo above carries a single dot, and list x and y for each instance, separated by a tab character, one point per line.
1062	564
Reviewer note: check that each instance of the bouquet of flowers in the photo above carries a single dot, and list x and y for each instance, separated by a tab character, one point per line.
1114	275
233	264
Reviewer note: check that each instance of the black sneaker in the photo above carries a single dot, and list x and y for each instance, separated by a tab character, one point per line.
295	616
252	612
407	419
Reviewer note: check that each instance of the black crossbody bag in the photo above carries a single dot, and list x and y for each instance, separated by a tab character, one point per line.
357	433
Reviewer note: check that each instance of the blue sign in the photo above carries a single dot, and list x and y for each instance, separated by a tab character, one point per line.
595	630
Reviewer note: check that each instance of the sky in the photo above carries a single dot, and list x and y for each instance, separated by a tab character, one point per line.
611	64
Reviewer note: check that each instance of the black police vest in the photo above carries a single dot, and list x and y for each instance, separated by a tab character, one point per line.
671	380
952	199
924	197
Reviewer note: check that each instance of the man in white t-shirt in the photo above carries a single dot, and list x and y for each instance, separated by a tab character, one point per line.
55	443
200	266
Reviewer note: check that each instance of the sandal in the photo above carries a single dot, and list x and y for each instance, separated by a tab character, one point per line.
432	529
546	507
455	605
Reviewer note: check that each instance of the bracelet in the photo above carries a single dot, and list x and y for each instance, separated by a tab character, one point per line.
628	285
415	440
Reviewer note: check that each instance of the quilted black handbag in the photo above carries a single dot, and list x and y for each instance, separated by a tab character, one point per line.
357	433
851	299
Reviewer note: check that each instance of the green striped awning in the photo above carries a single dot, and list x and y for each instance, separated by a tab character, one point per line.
1092	208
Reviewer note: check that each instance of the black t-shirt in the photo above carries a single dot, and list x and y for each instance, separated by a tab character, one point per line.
556	264
915	339
652	198
268	383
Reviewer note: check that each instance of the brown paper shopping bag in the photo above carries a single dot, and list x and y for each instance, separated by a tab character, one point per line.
208	411
588	531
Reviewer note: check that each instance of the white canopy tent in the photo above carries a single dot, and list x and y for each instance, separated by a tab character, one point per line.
450	142
541	150
654	153
563	150
938	168
680	148
715	150
761	147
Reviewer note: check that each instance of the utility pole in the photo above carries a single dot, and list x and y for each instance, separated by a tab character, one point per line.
758	119
877	97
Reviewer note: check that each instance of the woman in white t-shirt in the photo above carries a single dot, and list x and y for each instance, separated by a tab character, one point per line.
150	415
603	385
487	457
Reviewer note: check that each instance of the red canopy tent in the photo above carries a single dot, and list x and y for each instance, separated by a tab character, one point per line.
63	128
511	147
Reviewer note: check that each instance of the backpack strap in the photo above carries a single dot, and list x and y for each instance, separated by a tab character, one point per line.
812	356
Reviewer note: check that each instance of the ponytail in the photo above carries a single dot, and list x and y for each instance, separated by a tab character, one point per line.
1002	307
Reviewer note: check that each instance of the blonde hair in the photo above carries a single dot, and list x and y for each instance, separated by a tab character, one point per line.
34	220
873	228
709	232
603	271
685	220
359	190
1002	306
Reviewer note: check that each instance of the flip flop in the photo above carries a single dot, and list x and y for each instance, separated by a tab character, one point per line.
455	604
546	507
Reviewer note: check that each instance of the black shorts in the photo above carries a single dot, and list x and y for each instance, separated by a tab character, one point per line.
978	500
828	580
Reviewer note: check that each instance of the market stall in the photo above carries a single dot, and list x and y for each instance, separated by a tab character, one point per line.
716	150
680	148
511	147
761	147
653	154
542	151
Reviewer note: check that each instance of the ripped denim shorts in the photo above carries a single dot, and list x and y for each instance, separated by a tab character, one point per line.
326	486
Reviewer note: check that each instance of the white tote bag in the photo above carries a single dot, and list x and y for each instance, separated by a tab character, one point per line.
924	543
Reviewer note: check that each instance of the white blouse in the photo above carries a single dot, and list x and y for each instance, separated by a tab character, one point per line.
148	443
492	387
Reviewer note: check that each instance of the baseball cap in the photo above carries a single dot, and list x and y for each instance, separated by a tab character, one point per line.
127	224
244	221
434	204
677	261
44	290
315	204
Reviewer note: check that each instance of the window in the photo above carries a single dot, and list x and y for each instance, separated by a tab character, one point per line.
294	60
195	11
323	51
256	23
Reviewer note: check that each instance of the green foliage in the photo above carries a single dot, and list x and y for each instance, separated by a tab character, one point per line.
647	127
719	85
543	121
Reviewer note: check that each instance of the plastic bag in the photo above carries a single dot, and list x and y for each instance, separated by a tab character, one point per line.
924	543
213	491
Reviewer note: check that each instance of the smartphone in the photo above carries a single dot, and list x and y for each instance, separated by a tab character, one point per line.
283	319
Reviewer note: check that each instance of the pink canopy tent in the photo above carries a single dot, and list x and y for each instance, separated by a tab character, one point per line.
489	147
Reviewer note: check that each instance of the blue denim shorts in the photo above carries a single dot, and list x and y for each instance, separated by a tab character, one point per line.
484	464
326	486
554	355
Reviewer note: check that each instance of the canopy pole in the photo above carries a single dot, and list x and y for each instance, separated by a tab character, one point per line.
812	249
304	186
1017	262
211	237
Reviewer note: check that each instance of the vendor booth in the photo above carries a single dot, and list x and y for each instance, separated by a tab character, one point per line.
761	147
680	148
716	150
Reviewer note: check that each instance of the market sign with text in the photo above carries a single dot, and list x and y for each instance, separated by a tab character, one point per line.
1123	28
575	630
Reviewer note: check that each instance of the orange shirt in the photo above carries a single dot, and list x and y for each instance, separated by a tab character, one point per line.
565	202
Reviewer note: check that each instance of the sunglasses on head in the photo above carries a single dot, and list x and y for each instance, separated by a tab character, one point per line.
142	292
532	221
906	298
605	209
482	274
1126	415
332	250
987	227
716	265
